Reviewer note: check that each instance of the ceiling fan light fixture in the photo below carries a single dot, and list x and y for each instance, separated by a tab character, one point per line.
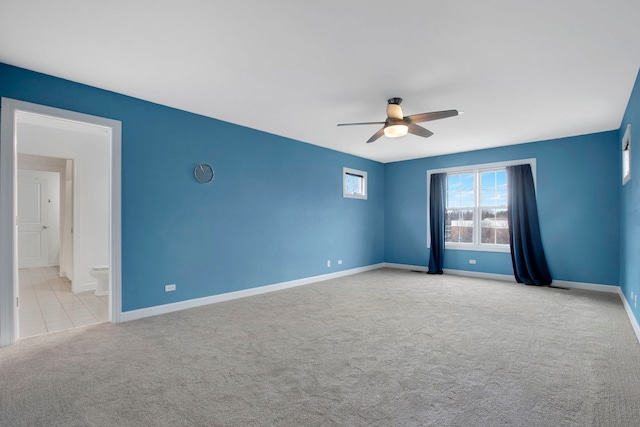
396	131
398	125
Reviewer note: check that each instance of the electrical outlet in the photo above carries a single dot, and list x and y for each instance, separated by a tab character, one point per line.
169	288
328	263
472	261
339	262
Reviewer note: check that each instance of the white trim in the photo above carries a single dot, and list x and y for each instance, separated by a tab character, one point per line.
480	247
556	283
406	267
612	289
8	265
365	182
494	165
115	238
480	275
509	278
632	319
472	169
477	274
563	283
197	302
91	286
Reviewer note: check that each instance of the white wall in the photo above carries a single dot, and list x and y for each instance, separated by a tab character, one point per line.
89	148
66	235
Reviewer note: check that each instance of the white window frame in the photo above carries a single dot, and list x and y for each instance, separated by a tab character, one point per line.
474	169
354	172
626	155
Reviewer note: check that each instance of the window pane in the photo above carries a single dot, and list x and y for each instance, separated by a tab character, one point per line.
493	188
502	233
626	163
352	184
460	191
459	226
494	227
453	191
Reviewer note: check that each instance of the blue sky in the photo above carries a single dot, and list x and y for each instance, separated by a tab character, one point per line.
461	189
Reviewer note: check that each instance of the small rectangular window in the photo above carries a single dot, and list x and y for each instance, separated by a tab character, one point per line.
354	183
626	156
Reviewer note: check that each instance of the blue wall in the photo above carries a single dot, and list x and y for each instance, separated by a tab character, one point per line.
578	204
274	212
630	206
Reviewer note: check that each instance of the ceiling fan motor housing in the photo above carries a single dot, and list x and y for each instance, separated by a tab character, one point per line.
394	111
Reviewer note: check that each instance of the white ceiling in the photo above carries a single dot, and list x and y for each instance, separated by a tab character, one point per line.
521	71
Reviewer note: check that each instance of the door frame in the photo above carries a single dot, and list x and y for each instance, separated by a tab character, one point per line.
8	210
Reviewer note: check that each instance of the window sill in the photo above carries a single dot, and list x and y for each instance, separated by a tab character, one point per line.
478	248
354	196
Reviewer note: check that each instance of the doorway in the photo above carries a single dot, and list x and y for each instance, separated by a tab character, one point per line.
45	249
101	137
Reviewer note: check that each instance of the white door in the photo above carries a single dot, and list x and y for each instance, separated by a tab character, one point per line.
33	247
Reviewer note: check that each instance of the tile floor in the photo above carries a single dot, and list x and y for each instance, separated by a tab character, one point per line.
48	305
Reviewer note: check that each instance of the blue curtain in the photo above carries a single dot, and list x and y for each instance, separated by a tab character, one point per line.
436	221
527	255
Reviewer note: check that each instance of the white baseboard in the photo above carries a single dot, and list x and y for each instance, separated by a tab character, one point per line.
632	318
480	275
465	273
197	302
562	283
508	278
83	287
586	286
406	267
183	305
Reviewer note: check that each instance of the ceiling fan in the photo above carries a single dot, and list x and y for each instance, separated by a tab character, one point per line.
398	125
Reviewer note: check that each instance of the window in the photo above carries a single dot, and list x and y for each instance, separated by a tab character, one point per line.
354	183
626	156
476	206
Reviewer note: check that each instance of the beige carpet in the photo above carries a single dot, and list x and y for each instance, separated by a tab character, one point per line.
383	348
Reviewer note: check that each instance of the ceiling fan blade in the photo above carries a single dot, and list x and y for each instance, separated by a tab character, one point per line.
376	135
363	123
419	130
434	115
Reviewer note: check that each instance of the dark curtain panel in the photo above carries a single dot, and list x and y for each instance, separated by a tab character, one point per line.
436	221
527	255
